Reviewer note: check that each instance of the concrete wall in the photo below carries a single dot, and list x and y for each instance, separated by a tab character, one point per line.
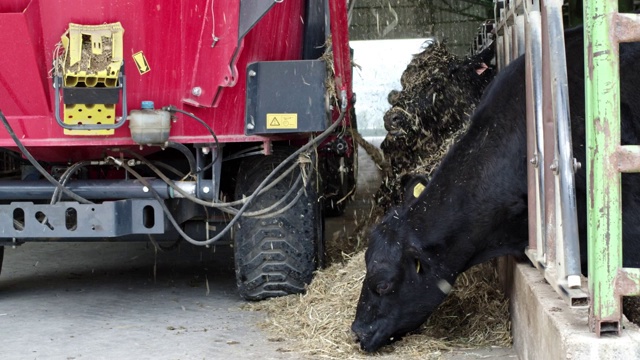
380	65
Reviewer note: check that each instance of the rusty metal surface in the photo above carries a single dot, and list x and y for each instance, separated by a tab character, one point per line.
627	158
627	282
627	27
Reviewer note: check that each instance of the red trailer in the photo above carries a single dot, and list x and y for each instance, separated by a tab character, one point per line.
204	121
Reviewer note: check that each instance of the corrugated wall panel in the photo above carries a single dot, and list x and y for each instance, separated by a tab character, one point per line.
454	21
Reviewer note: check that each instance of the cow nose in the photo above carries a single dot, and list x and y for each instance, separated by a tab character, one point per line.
360	338
358	334
354	337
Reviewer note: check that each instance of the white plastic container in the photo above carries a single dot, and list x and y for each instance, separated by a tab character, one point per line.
149	126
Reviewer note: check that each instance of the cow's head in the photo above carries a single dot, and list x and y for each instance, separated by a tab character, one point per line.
405	283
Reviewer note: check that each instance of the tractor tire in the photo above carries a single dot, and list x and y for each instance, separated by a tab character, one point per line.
277	256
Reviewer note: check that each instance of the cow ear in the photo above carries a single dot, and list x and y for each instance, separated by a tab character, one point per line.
419	264
487	54
485	59
481	68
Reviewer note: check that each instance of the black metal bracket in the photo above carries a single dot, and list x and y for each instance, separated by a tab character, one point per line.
26	220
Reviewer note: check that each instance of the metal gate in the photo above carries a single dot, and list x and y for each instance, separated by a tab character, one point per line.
536	30
605	29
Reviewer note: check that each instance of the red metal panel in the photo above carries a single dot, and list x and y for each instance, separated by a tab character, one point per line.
21	79
13	6
172	35
340	43
341	59
213	57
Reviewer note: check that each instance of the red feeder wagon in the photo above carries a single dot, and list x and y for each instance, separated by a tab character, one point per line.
178	120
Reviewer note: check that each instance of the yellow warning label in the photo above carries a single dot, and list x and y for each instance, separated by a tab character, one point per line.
282	121
141	63
417	190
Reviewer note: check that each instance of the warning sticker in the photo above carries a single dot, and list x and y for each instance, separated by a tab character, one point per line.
282	121
141	63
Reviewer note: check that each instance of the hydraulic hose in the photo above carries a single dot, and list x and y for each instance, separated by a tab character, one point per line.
172	108
187	153
39	167
263	184
57	195
221	206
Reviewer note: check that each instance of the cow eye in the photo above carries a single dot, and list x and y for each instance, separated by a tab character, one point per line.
383	288
420	266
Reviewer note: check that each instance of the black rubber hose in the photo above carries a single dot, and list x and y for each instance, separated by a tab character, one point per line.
256	191
187	153
39	167
172	108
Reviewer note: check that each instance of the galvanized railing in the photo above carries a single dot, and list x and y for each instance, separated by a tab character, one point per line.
535	28
553	234
605	29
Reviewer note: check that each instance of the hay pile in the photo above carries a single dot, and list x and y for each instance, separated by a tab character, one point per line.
318	323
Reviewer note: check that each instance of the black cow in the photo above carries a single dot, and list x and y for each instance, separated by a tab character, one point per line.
475	206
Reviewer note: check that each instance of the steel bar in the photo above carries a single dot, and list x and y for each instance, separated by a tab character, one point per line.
91	189
567	240
536	126
604	210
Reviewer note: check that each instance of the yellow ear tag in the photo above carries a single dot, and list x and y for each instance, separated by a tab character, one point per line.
418	266
417	190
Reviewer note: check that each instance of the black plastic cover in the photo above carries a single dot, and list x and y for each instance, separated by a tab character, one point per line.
91	95
286	97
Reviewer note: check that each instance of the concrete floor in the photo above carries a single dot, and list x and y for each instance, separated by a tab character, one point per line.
125	301
102	301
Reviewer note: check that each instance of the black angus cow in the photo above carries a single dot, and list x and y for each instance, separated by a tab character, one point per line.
475	206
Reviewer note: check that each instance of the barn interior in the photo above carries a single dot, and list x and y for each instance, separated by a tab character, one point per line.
539	323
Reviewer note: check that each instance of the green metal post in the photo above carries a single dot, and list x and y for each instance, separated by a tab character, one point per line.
602	85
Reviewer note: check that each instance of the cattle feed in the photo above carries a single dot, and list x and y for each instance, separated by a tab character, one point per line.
317	323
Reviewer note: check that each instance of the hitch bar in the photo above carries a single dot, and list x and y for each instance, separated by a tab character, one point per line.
93	189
